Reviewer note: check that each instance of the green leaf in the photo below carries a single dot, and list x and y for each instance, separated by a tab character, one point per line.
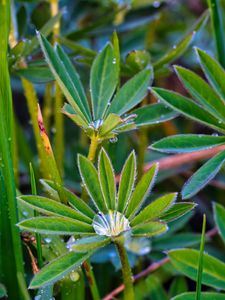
58	268
127	180
91	182
219	217
188	108
36	74
204	296
177	211
178	286
155	209
55	225
76	202
107	180
153	114
213	71
216	13
178	49
175	241
149	229
200	178
141	191
103	81
187	143
51	207
202	92
131	93
90	243
63	72
186	262
110	123
70	112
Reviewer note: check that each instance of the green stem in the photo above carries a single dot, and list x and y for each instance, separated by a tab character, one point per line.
87	265
218	29
126	270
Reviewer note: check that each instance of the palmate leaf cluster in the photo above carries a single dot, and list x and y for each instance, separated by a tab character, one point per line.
115	215
106	114
207	109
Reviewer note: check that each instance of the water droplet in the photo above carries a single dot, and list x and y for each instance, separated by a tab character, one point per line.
113	140
48	240
114	61
214	134
156	4
174	46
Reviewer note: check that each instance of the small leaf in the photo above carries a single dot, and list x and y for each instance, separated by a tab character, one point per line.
178	49
107	180
55	225
187	143
155	209
200	178
110	123
219	217
202	92
91	182
213	71
204	296
127	180
141	191
177	211
51	207
188	108
153	114
73	200
149	229
103	81
70	112
186	262
131	93
58	268
36	74
90	243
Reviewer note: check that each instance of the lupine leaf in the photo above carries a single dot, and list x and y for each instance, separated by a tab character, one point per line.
153	114
186	262
55	225
219	217
213	71
90	180
75	78
103	80
181	46
110	123
73	200
200	178
90	243
127	180
63	78
36	74
187	143
155	209
201	91
204	296
141	191
177	211
70	112
187	107
107	180
51	207
131	93
149	229
58	268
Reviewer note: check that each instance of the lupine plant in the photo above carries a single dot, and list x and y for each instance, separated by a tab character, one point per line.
116	215
70	224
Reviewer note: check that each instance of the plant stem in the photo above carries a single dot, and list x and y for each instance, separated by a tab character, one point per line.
126	270
93	149
87	265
